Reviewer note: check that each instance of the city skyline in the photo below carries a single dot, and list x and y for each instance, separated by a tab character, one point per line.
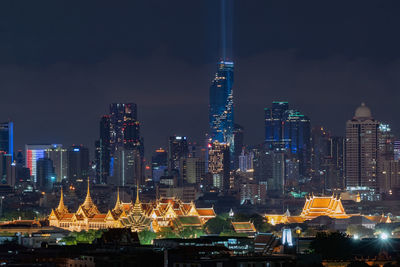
269	67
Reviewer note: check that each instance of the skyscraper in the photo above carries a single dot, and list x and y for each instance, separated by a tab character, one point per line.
103	151
59	156
32	154
177	149
362	152
289	130
7	138
121	114
219	165
78	163
221	105
126	145
159	164
45	174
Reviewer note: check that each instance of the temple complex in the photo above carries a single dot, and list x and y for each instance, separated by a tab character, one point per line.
156	215
314	207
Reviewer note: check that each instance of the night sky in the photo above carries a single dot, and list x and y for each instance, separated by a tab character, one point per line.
63	62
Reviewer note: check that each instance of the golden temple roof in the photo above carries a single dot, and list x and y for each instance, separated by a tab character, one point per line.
61	209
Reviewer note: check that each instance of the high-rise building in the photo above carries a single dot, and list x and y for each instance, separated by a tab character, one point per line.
219	165
103	151
78	163
246	160
127	167
362	152
221	117
45	174
387	166
59	156
125	143
177	149
7	138
269	168
7	169
32	154
289	130
159	164
121	114
192	170
337	153
238	136
320	144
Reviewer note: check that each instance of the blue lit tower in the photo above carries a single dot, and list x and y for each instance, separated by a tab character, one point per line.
221	105
6	138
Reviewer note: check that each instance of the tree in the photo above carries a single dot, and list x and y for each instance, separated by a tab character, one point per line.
146	237
333	245
167	233
217	225
359	230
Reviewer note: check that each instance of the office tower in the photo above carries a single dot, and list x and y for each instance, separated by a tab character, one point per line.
362	152
45	174
159	164
32	154
320	148
396	149
7	138
337	153
127	167
238	136
288	129
59	156
78	163
274	124
7	169
125	143
219	165
221	117
386	163
269	168
120	115
177	149
192	170
103	151
246	160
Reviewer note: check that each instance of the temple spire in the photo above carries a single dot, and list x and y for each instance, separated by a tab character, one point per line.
118	202
61	207
137	192
88	200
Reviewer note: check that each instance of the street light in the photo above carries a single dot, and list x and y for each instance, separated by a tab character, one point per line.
384	236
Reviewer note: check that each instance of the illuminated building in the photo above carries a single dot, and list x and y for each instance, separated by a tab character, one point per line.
362	153
8	169
45	174
219	165
221	116
127	167
388	168
314	207
103	151
288	129
78	163
32	154
159	164
177	149
125	141
192	170
238	136
59	156
120	115
162	213
7	138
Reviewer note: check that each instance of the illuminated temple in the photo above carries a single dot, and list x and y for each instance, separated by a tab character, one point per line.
314	207
162	213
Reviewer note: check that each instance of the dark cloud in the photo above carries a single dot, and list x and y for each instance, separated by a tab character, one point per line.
62	63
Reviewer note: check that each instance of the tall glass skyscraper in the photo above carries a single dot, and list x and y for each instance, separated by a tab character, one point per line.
221	105
6	138
289	130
